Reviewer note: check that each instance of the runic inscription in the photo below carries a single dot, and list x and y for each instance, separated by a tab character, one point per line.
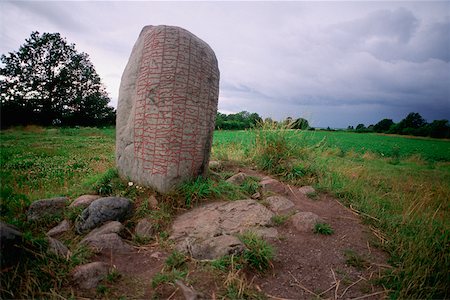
174	106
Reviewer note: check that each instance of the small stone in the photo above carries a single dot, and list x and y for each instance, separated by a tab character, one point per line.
266	232
279	204
214	247
238	178
305	190
57	248
153	202
11	245
84	201
272	185
110	242
110	227
103	210
156	255
88	276
214	165
144	229
256	196
304	221
59	229
46	208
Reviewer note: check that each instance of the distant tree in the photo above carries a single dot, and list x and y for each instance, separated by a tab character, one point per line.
47	82
383	126
350	128
300	123
360	127
439	129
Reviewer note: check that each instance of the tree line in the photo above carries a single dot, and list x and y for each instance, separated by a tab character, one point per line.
245	120
413	124
47	82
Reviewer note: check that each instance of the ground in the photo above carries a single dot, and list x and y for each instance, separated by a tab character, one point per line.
343	265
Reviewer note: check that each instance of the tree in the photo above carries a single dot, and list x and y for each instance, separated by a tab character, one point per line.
383	126
439	129
47	82
300	123
360	128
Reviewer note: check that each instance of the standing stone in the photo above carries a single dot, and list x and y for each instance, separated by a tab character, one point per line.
166	108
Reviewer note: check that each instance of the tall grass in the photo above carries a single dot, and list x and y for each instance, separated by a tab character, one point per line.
407	200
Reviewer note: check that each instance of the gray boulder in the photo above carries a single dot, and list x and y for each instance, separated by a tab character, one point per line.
213	247
270	185
305	190
106	238
88	276
166	108
103	210
47	208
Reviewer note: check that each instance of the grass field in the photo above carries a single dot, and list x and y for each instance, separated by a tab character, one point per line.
400	185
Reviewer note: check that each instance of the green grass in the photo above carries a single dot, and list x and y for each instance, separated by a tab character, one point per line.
402	183
258	253
323	228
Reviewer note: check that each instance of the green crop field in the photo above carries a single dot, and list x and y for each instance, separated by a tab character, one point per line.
402	183
380	144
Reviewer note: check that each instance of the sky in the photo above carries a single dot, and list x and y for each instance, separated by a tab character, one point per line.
334	63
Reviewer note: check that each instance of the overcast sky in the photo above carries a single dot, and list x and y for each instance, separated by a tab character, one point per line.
334	63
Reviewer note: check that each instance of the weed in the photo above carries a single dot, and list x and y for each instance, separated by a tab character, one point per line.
102	289
167	277
250	185
258	253
113	276
279	219
355	260
176	260
323	228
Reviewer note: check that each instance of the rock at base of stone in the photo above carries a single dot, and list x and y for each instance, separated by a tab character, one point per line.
103	210
212	248
107	237
305	190
88	276
57	248
59	229
84	201
279	204
305	221
208	232
45	208
273	186
237	179
144	229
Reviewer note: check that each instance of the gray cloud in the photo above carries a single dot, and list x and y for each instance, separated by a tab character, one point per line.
339	63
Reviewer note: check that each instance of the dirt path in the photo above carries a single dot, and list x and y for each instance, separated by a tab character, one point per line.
343	265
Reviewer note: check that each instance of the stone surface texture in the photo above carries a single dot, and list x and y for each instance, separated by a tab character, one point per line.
166	108
144	229
59	229
84	200
305	190
238	178
305	221
46	208
207	232
279	204
107	237
103	210
57	248
270	185
88	276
